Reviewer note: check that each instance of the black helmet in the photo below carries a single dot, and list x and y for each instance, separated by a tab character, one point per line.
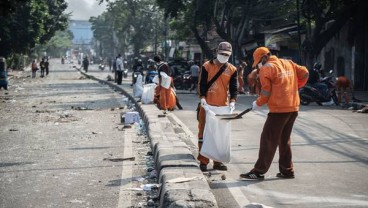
317	66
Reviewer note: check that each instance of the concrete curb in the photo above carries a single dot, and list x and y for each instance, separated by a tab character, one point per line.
182	183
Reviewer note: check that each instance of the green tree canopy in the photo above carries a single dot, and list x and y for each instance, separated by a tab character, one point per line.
126	23
30	23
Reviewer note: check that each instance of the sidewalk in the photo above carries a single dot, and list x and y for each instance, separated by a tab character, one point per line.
182	182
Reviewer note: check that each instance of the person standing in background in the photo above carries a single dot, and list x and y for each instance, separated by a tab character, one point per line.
241	69
119	69
43	67
47	65
34	68
194	73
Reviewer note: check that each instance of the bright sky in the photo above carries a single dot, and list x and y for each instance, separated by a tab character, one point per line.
84	9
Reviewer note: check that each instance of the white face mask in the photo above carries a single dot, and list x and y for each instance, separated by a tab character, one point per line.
222	59
260	65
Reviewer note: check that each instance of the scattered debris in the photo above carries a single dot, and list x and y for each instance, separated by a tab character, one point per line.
119	159
363	110
80	108
43	111
150	203
223	177
182	179
149	187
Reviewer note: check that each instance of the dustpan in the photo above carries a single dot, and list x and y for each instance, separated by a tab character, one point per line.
233	115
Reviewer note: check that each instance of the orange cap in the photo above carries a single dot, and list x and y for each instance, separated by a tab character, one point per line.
258	54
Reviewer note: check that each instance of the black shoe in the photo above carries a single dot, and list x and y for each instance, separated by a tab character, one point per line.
252	175
203	167
287	176
220	166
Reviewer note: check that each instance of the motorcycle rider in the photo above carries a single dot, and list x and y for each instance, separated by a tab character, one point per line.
315	78
137	67
151	70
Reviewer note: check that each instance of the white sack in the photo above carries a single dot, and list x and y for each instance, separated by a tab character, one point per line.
165	80
217	135
148	93
138	87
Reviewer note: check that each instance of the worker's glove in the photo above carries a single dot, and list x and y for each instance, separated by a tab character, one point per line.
203	102
232	106
255	106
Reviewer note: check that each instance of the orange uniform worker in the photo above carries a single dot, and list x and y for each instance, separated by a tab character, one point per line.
280	80
216	94
167	99
342	85
241	68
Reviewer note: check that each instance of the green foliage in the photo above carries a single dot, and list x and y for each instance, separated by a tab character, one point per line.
30	23
127	22
59	44
320	12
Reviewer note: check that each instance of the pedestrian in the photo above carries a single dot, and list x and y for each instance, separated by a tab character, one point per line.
3	74
119	69
216	93
241	68
34	68
194	73
47	64
43	67
85	64
167	98
343	86
280	80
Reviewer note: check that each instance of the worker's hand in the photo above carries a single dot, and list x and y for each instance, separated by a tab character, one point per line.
203	102
255	106
232	106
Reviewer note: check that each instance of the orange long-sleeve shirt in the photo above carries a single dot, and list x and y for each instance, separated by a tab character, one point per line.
280	80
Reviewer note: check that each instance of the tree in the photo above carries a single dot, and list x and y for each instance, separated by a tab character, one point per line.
59	44
233	20
32	22
319	13
131	22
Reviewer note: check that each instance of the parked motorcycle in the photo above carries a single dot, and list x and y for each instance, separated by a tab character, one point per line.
309	94
183	81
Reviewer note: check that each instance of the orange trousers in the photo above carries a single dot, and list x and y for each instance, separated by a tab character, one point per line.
167	99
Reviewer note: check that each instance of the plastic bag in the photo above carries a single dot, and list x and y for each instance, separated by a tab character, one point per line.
138	87
165	80
217	135
155	79
148	93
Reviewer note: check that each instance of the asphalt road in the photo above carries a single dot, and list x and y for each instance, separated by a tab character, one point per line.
62	144
329	153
